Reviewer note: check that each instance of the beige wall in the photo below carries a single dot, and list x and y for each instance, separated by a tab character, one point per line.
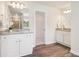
75	28
50	23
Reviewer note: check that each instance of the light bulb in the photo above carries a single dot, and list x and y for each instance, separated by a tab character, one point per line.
67	11
18	5
22	6
13	4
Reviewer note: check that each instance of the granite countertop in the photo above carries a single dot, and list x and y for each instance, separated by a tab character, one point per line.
15	32
65	29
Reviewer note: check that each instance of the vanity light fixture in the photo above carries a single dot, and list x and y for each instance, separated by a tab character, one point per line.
67	11
17	4
13	4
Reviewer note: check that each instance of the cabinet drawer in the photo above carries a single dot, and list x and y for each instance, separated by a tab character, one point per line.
63	37
59	36
4	37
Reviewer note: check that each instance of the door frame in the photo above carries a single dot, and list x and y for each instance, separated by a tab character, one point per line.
38	10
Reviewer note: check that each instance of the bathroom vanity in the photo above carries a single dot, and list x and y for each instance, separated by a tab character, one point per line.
62	36
16	44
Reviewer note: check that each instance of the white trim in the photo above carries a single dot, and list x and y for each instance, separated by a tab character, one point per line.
35	23
74	52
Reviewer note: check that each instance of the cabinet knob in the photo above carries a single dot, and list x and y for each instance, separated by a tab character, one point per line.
4	37
17	41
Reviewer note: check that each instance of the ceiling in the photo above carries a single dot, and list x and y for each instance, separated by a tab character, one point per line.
56	4
62	5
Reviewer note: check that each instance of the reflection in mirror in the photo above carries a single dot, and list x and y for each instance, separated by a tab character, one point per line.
18	18
16	22
26	21
15	19
25	24
1	18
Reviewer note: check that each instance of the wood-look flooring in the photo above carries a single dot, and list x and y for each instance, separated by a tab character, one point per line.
52	50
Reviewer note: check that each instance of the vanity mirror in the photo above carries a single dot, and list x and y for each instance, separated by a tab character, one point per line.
15	22
19	18
1	20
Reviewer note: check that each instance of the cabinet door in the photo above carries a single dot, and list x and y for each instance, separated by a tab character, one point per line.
67	38
59	36
30	44
3	43
26	45
12	46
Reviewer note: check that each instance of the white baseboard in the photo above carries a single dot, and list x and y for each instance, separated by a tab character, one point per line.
50	42
74	52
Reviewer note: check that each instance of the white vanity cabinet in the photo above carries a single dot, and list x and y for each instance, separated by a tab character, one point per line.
26	45
9	46
66	38
63	37
16	45
59	36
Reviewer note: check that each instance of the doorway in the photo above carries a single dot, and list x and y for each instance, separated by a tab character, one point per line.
40	28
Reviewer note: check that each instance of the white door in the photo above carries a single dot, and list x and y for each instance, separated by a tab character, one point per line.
40	27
